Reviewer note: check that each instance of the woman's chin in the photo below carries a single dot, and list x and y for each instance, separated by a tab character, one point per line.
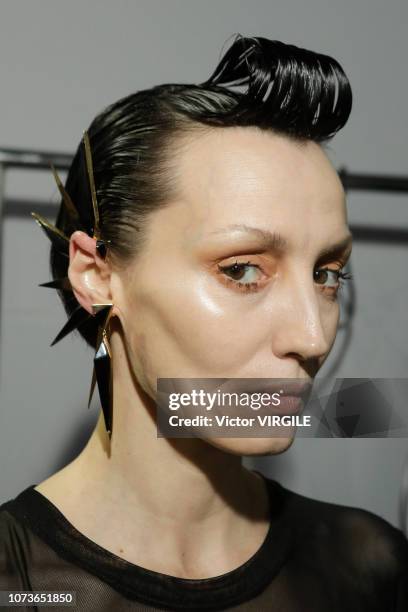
254	446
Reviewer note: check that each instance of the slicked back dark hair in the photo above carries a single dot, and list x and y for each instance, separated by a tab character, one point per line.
288	90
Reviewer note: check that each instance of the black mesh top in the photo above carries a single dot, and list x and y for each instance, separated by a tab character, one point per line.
317	557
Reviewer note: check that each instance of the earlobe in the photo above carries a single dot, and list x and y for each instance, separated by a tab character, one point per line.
87	274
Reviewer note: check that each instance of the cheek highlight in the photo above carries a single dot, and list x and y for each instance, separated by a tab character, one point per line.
191	329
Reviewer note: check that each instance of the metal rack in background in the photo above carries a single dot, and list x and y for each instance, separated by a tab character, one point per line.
23	159
41	160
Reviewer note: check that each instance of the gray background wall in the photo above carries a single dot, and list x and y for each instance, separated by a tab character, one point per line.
60	63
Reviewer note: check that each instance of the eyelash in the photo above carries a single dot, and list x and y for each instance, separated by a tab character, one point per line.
254	286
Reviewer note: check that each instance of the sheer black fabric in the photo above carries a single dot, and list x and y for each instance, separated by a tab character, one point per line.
316	557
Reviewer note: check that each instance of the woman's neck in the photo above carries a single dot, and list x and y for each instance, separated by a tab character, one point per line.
179	506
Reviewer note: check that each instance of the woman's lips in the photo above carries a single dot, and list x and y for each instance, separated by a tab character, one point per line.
290	404
285	387
292	394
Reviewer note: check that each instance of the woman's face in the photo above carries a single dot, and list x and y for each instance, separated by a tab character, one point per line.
275	317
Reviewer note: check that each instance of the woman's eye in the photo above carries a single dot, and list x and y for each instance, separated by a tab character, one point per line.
327	277
330	278
245	275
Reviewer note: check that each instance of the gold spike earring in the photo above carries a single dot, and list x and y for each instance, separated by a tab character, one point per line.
102	371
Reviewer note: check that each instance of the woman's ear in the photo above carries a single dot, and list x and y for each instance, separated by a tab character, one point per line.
88	273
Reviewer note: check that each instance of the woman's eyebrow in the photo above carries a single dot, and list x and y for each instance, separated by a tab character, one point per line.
269	240
340	248
275	240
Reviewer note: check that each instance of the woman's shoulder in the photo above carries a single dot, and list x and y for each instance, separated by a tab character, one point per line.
8	521
15	539
12	523
364	540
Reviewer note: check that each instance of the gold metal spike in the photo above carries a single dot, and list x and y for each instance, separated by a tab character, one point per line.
103	312
59	240
99	307
66	198
43	223
89	167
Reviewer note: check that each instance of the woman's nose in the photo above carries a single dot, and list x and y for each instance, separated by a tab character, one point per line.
302	331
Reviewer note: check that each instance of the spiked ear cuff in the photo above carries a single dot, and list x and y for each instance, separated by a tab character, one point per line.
102	372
